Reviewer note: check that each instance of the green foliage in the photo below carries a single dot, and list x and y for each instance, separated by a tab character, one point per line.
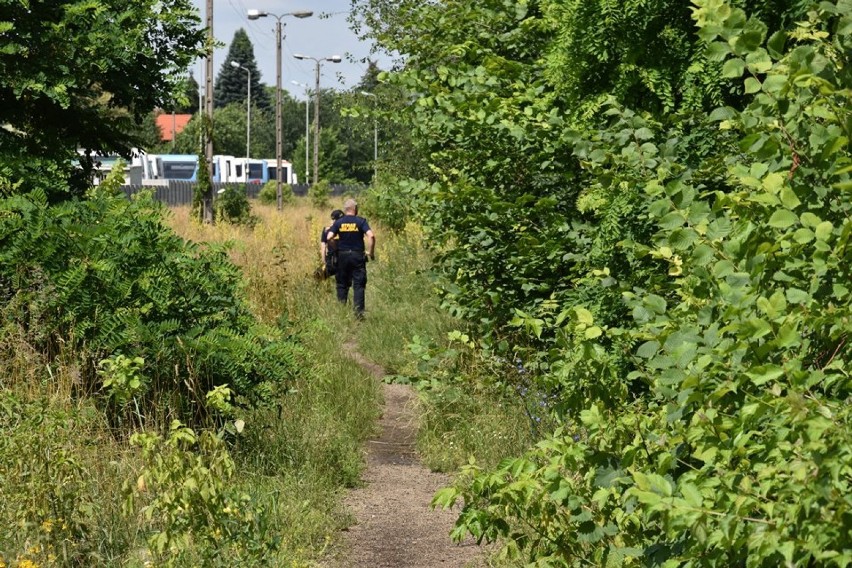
49	506
232	82
269	193
732	444
319	193
122	378
119	61
390	204
230	136
111	185
232	206
106	278
194	513
671	276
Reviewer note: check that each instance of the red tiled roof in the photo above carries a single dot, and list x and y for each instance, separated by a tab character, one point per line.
171	123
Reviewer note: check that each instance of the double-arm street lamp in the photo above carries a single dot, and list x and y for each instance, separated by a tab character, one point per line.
318	61
307	132
254	15
236	65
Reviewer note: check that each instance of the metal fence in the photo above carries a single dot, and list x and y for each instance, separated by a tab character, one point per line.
179	192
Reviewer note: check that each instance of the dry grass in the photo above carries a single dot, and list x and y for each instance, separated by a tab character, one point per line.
278	256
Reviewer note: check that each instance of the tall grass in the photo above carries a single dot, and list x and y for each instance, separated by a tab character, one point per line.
65	473
300	453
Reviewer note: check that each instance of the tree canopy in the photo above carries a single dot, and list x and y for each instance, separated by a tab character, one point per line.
77	74
640	208
231	82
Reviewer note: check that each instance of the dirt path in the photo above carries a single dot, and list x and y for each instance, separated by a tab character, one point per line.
395	526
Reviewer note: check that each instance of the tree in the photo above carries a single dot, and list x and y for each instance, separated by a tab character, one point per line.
187	101
334	158
229	136
231	83
646	206
78	74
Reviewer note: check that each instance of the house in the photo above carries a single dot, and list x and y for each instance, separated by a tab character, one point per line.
171	125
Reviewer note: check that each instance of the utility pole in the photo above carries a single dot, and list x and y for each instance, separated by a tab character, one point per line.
253	15
316	126
318	61
208	111
375	139
307	132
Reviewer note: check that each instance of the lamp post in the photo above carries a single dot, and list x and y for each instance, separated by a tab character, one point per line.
248	111
318	61
375	141
307	131
254	15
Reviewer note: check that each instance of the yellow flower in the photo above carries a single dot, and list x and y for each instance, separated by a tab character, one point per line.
27	563
47	525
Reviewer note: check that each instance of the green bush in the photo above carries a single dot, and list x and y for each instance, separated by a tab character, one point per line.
53	507
319	193
709	426
106	277
195	513
269	193
391	204
232	206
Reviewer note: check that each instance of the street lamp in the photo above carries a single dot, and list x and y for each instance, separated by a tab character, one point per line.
307	132
236	65
317	60
254	15
375	141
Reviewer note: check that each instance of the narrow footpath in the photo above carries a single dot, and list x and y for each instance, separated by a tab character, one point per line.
395	525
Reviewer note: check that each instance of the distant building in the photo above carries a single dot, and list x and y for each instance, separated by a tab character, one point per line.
171	125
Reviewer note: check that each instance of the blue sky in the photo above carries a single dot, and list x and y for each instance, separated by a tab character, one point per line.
324	34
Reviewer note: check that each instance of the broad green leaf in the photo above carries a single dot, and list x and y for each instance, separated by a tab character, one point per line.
691	495
823	230
775	83
797	296
584	316
782	218
789	198
765	373
758	61
810	220
752	85
773	182
803	236
733	68
648	349
718	50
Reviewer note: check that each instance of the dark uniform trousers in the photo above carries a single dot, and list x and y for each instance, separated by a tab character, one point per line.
352	273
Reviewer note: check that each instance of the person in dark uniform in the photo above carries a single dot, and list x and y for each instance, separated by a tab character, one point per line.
328	249
351	231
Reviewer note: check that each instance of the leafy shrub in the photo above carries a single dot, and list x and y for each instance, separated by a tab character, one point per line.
319	193
232	206
106	277
48	499
710	426
194	512
269	193
390	204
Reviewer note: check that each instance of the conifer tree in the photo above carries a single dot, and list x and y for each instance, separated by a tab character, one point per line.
231	84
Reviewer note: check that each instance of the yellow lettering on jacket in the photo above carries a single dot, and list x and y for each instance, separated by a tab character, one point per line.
348	227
